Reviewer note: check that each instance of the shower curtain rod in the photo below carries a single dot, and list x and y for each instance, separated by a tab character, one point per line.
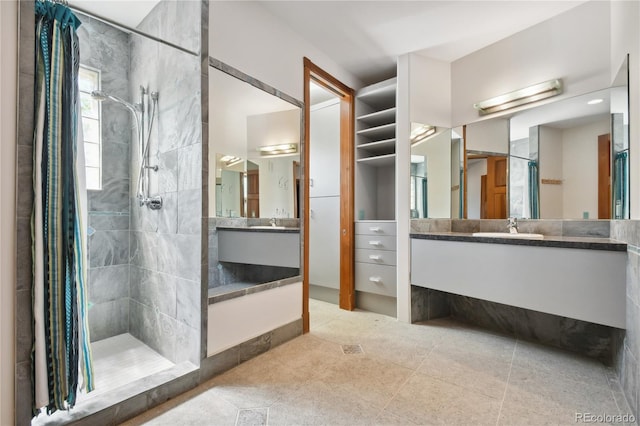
133	30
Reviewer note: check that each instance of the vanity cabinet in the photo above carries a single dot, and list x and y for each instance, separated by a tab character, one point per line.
375	267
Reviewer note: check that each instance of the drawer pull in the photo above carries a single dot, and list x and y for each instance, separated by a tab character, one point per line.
375	257
375	279
375	229
374	243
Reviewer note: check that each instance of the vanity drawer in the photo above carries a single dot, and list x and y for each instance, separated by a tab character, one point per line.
377	279
375	228
376	257
375	242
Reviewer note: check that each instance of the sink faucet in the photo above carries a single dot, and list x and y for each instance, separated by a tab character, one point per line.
272	221
512	225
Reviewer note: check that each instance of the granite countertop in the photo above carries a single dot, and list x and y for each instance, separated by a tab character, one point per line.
548	241
285	230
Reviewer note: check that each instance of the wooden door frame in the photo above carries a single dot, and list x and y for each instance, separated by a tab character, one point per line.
347	113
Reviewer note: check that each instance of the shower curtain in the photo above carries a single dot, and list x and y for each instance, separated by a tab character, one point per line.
61	354
534	192
620	188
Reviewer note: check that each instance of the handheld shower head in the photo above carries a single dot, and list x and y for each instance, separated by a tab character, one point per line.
102	96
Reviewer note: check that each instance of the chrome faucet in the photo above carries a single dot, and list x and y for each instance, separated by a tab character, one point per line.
272	221
512	225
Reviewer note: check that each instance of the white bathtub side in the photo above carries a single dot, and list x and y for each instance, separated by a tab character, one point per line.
237	320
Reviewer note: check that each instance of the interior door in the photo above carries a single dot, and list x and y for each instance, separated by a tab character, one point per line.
496	188
253	193
604	176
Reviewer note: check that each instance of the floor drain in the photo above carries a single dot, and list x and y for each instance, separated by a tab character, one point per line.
352	349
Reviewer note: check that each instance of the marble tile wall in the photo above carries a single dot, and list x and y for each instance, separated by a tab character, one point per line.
165	245
106	48
628	357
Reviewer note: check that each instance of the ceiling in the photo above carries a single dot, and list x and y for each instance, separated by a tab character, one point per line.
366	37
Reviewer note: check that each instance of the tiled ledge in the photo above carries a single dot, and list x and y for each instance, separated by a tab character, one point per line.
258	287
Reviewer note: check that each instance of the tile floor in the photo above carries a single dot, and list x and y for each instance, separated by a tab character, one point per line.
363	368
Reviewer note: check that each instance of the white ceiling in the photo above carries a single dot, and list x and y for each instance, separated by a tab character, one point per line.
365	37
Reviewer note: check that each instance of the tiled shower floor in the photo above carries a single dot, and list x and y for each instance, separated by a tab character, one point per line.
123	359
117	361
440	372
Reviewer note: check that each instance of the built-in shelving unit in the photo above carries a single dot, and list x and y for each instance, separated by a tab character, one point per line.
375	200
376	151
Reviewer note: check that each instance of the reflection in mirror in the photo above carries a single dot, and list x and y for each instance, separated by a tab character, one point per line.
431	177
487	146
457	170
569	159
263	131
620	141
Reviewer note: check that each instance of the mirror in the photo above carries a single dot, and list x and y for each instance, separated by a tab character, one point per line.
431	177
569	159
485	174
254	144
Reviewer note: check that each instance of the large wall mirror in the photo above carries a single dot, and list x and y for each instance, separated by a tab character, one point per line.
254	149
567	159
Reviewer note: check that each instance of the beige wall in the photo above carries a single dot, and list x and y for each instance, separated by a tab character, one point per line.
8	72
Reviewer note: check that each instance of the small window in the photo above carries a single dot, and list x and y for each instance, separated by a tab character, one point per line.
88	81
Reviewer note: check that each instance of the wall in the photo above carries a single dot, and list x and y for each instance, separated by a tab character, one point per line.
8	79
475	170
488	136
165	308
106	48
266	48
574	46
430	97
580	169
550	152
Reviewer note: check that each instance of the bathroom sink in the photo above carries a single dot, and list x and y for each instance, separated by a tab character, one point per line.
524	236
266	227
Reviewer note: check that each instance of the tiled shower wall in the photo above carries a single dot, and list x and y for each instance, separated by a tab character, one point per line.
106	48
165	306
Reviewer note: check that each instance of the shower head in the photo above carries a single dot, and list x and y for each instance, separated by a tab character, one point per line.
102	96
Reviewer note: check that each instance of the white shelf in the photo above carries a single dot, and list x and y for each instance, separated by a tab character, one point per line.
377	118
379	160
386	131
379	147
379	96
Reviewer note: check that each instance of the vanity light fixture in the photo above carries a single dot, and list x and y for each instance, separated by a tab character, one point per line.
595	101
421	132
283	148
520	97
230	160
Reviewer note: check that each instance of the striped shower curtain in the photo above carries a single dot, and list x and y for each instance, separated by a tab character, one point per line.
61	354
620	187
534	192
